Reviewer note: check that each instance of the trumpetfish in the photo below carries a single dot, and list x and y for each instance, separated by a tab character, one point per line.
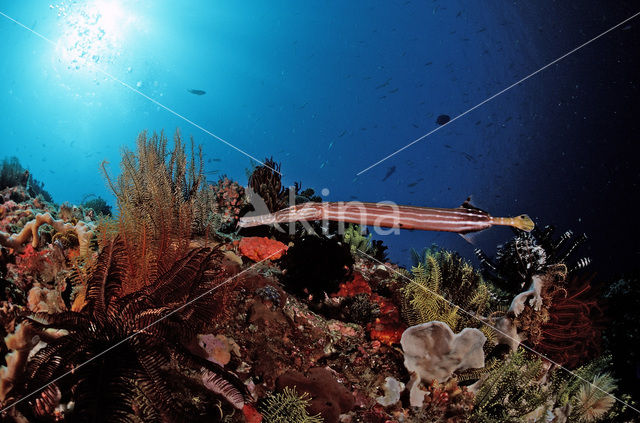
463	220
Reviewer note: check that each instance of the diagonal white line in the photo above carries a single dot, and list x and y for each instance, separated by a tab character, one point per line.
472	315
157	103
134	334
497	94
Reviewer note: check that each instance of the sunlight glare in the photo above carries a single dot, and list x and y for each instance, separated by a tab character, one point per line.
92	32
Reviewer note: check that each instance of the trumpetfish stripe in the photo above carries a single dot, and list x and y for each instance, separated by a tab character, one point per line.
463	219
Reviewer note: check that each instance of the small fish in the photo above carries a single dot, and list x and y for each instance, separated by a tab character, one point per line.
428	63
390	172
395	90
481	30
342	133
412	184
330	145
442	119
384	84
197	92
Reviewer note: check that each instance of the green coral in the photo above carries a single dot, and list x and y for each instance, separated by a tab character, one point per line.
287	407
356	239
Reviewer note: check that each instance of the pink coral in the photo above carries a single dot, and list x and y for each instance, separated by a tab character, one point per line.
230	197
259	248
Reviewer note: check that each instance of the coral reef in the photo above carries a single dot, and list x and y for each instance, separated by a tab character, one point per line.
107	318
168	313
13	175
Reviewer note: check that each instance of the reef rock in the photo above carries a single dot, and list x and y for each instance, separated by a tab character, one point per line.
433	352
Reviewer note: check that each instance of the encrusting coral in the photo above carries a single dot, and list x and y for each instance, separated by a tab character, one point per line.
260	248
84	232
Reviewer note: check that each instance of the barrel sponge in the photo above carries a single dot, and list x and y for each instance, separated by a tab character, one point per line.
29	232
433	352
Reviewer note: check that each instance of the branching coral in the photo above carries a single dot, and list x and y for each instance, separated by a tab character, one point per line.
152	326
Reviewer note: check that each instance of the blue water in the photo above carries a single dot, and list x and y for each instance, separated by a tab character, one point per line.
329	88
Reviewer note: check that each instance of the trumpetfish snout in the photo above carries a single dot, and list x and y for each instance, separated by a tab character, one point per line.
464	219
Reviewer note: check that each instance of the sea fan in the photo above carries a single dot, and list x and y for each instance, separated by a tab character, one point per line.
125	353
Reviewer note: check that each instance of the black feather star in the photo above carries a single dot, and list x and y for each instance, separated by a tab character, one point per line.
124	358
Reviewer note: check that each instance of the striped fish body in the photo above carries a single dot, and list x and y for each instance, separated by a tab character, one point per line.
462	220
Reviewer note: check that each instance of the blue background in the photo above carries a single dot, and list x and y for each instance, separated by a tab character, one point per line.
330	87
